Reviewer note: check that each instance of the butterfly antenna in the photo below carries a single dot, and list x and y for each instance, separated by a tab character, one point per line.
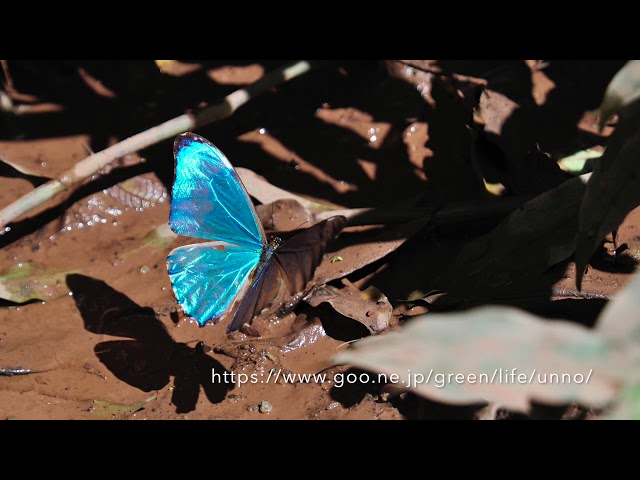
298	227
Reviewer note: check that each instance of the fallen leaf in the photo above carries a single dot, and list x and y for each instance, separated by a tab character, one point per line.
284	215
611	193
369	307
539	234
495	109
176	68
365	249
141	191
623	90
22	169
580	162
46	157
264	192
28	281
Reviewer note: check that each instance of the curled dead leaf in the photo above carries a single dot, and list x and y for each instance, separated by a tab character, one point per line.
369	307
284	215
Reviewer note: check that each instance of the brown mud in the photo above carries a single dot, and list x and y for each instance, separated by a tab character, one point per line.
111	341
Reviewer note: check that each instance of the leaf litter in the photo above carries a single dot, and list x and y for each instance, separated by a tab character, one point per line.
126	255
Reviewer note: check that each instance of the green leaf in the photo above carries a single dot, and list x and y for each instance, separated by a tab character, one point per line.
580	162
28	281
470	357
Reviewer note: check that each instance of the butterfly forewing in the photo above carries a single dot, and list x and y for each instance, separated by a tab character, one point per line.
208	199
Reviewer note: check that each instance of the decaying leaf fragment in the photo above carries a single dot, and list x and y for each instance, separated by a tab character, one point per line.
369	307
28	281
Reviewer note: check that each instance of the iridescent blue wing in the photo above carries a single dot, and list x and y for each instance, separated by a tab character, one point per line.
208	199
288	271
207	277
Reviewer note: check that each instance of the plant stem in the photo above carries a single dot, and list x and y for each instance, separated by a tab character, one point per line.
84	169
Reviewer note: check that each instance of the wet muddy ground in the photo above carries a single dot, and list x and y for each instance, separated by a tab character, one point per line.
97	327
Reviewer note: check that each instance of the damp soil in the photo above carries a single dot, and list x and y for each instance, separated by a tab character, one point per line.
104	338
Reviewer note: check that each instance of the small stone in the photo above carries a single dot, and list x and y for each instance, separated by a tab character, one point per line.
265	407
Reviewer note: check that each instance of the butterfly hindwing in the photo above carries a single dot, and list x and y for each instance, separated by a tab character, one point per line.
266	290
208	199
207	277
299	257
288	271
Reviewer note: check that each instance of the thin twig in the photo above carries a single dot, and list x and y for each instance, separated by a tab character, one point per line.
92	164
14	371
7	76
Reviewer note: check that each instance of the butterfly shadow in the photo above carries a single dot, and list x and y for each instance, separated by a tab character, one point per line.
152	356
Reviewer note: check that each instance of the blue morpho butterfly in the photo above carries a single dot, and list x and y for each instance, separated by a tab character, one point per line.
237	266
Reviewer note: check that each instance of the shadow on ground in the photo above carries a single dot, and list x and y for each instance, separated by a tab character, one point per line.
151	357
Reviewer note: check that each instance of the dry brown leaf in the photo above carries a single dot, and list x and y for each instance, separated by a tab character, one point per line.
369	307
367	250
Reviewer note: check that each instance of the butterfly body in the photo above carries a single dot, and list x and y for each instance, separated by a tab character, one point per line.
237	266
